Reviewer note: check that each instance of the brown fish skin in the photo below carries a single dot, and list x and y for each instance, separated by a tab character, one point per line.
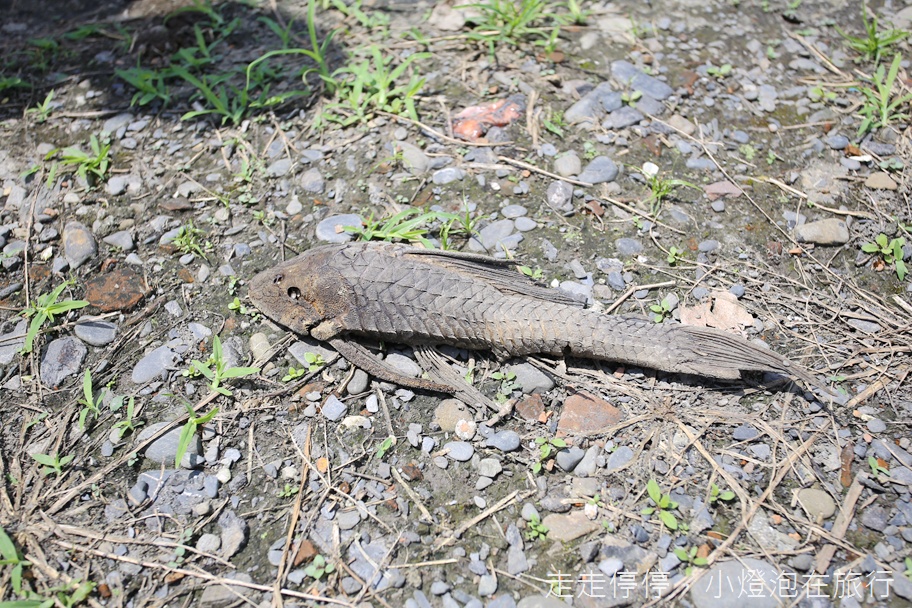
401	294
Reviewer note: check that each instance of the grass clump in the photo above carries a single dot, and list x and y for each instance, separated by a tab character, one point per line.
874	41
45	308
880	106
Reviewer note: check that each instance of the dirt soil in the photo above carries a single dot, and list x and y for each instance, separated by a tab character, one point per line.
699	162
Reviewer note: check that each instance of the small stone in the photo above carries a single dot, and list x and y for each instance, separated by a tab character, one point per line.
95	332
63	358
628	74
601	169
280	168
78	244
331	230
12	342
530	407
877	426
875	518
505	441
567	527
525	224
586	412
560	196
567	459
404	365
234	533
120	289
413	158
628	247
489	467
745	432
880	180
333	409
312	181
618	459
492	236
837	142
208	543
449	413
466	429
567	165
447	175
623	117
817	503
459	451
358	383
830	231
531	379
154	365
123	240
164	449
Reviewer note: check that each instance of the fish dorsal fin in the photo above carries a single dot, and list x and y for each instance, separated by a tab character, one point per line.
500	274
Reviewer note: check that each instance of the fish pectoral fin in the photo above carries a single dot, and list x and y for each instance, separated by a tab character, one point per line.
359	356
431	360
325	330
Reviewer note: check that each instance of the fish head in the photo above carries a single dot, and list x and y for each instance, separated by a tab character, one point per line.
289	293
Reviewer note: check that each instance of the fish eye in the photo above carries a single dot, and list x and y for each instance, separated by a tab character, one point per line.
294	293
278	279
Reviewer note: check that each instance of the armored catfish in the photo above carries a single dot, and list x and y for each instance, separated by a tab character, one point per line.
399	293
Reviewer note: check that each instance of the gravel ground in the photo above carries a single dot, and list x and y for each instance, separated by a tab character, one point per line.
306	482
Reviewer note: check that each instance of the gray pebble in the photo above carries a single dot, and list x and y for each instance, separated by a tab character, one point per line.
208	543
830	231
330	230
459	451
621	118
718	206
280	168
95	332
164	449
78	244
745	432
62	358
513	211
211	486
154	365
708	245
505	441
122	239
628	247
567	459
594	104
525	224
588	464
333	409
700	164
447	175
12	342
531	379
491	236
489	467
627	73
559	197
875	425
312	181
619	458
567	165
601	169
737	290
837	142
405	366
740	136
358	383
